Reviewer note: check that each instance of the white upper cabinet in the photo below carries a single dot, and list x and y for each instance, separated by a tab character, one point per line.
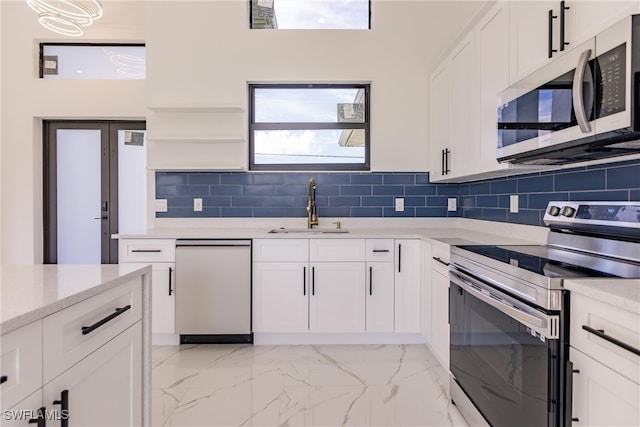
530	21
493	71
454	94
584	19
465	95
439	99
571	21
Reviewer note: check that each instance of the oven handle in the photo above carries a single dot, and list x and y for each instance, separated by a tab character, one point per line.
467	283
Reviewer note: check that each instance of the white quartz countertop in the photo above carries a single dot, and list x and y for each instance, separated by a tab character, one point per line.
31	292
621	293
448	231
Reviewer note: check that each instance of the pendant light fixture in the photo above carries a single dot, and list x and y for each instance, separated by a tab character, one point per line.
66	17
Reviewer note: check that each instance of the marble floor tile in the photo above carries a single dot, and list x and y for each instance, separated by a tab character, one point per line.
315	385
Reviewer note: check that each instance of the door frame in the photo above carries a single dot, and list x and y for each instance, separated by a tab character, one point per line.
109	187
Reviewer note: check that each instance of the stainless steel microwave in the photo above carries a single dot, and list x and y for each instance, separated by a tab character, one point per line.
583	106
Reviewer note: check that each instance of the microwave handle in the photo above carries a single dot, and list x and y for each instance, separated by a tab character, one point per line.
578	100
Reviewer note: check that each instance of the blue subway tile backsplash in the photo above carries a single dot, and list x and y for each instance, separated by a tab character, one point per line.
268	195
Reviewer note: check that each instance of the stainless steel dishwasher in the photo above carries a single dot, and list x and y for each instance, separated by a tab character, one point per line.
213	291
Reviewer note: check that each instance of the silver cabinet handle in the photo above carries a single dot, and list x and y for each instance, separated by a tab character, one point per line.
578	92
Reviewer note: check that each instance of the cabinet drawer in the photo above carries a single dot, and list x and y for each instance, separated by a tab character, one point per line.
64	341
616	323
336	250
379	250
441	255
21	363
147	250
281	250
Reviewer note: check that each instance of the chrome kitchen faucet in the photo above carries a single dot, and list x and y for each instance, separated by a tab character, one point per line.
312	214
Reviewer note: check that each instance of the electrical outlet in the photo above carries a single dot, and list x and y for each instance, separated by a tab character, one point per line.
197	205
452	204
400	205
513	203
161	205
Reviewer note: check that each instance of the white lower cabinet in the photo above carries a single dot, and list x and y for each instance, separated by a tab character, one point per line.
407	279
163	299
606	375
280	296
160	253
81	365
601	396
440	303
337	301
380	297
336	285
103	389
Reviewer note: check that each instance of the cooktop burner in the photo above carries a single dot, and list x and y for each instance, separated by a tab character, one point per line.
555	262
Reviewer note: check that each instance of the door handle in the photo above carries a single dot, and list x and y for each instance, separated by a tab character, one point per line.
88	329
370	280
563	43
102	217
551	18
170	290
64	408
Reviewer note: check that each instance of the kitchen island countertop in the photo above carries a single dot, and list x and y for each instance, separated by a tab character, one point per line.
31	292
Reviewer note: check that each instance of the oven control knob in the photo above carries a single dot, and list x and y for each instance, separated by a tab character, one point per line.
568	211
554	210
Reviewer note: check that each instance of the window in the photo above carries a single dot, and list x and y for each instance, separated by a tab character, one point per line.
310	14
309	127
92	61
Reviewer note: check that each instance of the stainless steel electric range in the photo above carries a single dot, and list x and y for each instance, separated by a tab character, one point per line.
509	312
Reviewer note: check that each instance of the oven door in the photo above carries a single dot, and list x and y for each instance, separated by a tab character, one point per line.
500	356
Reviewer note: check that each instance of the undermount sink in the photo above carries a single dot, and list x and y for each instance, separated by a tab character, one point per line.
283	230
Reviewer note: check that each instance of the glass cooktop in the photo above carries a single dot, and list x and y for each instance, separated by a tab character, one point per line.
557	263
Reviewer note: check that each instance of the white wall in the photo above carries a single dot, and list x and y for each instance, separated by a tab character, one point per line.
202	52
26	100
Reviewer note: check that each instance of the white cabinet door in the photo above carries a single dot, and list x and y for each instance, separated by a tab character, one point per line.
586	18
20	414
407	285
20	363
104	389
602	397
439	103
465	107
440	317
337	301
492	42
280	297
380	297
163	299
529	27
425	306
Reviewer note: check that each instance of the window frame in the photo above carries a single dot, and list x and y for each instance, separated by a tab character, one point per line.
251	27
253	126
43	44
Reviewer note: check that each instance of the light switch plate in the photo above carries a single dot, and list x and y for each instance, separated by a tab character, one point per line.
452	204
161	205
513	203
400	205
197	205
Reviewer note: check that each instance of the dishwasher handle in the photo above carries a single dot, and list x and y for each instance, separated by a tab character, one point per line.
211	242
